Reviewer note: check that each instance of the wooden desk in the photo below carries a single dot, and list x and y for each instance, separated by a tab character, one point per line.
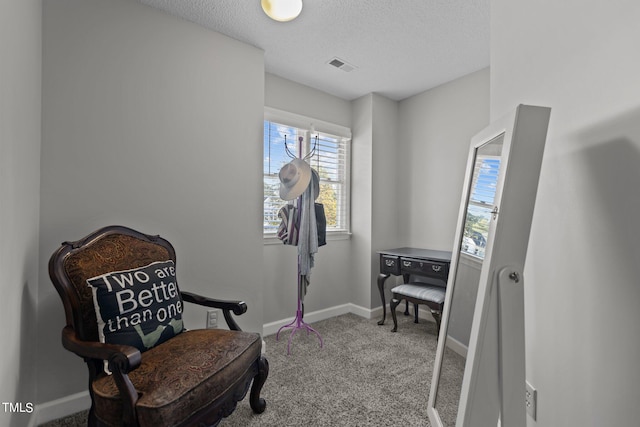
427	263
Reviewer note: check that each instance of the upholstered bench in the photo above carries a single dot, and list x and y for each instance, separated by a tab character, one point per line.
419	293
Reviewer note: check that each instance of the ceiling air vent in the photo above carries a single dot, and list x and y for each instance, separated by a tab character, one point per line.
343	65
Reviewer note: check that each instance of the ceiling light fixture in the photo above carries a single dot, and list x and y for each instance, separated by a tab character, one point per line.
282	10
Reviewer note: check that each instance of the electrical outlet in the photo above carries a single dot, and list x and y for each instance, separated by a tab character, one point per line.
531	400
212	319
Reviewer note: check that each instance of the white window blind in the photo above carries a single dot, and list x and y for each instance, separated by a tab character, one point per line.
329	156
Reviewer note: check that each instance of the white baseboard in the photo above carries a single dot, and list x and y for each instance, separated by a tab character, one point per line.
457	346
327	313
62	407
316	316
426	315
452	343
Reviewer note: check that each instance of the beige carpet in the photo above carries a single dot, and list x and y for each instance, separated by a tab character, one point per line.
365	375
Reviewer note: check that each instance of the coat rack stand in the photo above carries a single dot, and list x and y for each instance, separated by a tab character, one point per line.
298	322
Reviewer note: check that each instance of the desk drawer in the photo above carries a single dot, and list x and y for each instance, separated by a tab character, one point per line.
434	269
390	264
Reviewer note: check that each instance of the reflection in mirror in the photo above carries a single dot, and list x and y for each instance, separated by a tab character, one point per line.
481	201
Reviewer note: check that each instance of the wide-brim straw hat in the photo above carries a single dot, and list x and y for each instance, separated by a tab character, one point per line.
294	179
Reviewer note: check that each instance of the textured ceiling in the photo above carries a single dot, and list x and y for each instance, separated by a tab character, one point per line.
399	47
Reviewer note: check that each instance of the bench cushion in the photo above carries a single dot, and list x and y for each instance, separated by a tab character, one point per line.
422	292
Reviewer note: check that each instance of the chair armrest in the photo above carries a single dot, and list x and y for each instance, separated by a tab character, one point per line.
122	360
238	307
130	356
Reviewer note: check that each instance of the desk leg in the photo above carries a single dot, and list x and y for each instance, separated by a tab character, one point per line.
381	279
406	278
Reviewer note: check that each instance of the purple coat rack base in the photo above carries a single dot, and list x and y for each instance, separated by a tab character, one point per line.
298	323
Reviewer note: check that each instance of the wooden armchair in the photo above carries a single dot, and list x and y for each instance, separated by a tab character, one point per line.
124	318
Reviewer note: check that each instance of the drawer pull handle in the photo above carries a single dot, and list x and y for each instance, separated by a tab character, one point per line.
407	263
389	262
436	268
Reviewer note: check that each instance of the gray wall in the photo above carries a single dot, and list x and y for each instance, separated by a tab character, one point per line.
581	282
436	127
149	121
385	207
464	300
361	199
20	94
331	276
373	192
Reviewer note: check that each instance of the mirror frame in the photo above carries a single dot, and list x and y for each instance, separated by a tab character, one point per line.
494	376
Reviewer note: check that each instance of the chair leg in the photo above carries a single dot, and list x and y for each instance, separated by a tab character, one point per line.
394	303
257	403
438	316
415	312
91	419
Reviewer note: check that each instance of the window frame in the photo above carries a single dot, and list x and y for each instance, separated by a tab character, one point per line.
310	126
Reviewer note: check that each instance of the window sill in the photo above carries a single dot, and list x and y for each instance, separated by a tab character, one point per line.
272	239
471	260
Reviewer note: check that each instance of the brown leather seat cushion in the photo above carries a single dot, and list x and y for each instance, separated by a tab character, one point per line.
169	392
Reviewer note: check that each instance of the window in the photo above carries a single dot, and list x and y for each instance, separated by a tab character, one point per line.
481	203
328	153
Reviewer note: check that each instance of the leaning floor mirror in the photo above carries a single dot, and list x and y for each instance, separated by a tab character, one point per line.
479	370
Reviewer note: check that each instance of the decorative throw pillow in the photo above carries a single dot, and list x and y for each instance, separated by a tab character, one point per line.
141	307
